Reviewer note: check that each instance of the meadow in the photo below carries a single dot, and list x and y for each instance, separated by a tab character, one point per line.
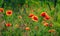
29	18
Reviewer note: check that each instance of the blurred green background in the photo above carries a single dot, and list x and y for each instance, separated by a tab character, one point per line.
24	8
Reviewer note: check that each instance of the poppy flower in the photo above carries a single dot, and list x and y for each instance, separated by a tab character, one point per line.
27	28
43	14
47	17
35	18
9	12
8	24
1	10
30	15
51	30
46	24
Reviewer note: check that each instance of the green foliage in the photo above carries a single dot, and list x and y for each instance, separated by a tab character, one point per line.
36	7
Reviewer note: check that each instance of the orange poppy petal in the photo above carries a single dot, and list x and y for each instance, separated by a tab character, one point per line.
30	15
9	12
27	28
1	10
8	24
35	18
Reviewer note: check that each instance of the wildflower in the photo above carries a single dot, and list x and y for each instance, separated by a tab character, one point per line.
8	24
47	17
35	18
27	28
43	14
9	12
51	30
1	10
46	24
30	15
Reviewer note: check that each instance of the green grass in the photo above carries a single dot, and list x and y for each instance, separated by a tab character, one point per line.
38	8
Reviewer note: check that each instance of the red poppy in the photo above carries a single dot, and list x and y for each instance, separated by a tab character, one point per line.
1	9
9	12
35	18
46	24
8	24
30	15
43	14
47	17
27	28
